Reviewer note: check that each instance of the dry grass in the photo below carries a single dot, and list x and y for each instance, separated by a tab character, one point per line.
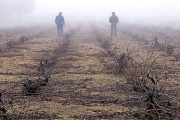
84	82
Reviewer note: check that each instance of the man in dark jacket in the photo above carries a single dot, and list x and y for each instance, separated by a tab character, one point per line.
60	22
113	20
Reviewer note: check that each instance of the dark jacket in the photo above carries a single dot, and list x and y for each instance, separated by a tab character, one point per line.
113	19
59	20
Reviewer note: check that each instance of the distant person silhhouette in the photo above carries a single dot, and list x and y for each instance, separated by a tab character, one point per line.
113	20
60	22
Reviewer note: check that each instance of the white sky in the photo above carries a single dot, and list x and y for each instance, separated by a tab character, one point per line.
144	9
98	6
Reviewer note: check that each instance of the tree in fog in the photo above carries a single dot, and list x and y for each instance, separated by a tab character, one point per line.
18	7
4	15
2	6
21	7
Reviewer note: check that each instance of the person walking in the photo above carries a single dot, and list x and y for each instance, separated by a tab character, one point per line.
60	22
113	20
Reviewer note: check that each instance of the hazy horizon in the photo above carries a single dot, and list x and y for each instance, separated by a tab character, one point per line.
45	11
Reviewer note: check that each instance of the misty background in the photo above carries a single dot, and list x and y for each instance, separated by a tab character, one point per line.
159	12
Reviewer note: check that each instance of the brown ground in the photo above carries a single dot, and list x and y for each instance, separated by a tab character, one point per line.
82	85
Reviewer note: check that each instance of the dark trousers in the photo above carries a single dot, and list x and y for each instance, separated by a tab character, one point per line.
60	28
113	29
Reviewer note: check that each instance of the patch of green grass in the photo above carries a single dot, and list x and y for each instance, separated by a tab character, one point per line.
72	112
109	79
40	112
78	110
54	111
124	114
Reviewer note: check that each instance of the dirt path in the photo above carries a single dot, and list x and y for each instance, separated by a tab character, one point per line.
82	82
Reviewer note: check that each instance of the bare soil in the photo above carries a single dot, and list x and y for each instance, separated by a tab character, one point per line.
83	84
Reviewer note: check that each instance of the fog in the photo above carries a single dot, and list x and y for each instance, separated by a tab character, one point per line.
133	11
